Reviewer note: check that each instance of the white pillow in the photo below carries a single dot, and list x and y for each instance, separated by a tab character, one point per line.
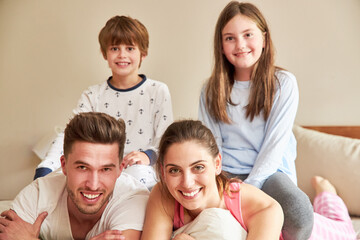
214	224
5	205
333	157
42	147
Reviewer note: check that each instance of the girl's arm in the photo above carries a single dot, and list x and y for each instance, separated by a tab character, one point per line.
262	215
278	143
208	121
158	219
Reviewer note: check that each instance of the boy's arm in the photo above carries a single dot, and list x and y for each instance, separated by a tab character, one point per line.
162	119
262	215
52	158
51	162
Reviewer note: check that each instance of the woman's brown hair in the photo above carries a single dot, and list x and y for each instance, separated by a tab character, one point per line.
184	131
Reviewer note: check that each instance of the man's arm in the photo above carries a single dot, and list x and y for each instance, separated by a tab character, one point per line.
117	234
13	227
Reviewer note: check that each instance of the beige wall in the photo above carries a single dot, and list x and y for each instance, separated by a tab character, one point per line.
49	54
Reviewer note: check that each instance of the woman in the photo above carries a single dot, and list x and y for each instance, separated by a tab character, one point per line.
191	181
189	168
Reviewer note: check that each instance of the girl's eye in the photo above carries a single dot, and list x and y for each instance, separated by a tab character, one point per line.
229	38
248	35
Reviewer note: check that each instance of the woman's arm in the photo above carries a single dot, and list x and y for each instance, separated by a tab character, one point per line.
262	215
159	216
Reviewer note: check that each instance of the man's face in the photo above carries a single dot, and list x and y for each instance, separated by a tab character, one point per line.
91	170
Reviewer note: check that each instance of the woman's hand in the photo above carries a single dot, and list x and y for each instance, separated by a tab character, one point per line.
183	236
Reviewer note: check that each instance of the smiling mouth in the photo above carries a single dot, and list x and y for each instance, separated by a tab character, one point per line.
241	54
91	196
191	194
123	63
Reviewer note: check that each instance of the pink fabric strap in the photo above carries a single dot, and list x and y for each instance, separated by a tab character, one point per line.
233	203
178	215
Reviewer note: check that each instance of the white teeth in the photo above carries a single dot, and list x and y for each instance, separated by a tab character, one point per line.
91	196
190	194
123	64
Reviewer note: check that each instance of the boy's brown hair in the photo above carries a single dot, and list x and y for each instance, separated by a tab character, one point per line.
95	127
124	30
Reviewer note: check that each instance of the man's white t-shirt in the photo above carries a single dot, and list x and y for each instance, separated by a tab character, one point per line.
125	210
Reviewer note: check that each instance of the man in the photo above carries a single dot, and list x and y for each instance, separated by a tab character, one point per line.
89	200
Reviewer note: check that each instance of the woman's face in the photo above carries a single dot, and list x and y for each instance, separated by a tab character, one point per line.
190	175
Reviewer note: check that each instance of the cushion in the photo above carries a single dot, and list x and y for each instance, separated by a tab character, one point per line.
43	146
4	205
214	224
333	157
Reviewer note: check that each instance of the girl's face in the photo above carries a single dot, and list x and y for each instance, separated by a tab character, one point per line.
242	43
190	176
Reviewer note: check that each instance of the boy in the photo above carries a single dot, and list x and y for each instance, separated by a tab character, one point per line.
90	198
144	104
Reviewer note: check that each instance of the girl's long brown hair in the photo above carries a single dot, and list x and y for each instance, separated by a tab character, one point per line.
221	81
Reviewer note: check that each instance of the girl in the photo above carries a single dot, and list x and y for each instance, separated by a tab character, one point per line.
189	168
250	106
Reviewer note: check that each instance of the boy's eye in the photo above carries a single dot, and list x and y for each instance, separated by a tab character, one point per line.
114	48
131	48
107	169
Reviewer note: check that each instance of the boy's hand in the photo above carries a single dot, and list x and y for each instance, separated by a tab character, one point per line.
110	234
135	157
13	227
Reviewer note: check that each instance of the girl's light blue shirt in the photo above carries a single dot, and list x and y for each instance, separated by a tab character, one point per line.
258	148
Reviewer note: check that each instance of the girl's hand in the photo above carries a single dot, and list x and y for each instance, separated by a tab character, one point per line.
135	157
183	236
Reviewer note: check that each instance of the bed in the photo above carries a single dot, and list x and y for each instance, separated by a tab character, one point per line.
330	151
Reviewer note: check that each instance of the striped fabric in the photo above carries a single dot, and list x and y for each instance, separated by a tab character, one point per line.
331	219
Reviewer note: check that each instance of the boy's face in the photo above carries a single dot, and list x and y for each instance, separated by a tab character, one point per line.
91	170
124	60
